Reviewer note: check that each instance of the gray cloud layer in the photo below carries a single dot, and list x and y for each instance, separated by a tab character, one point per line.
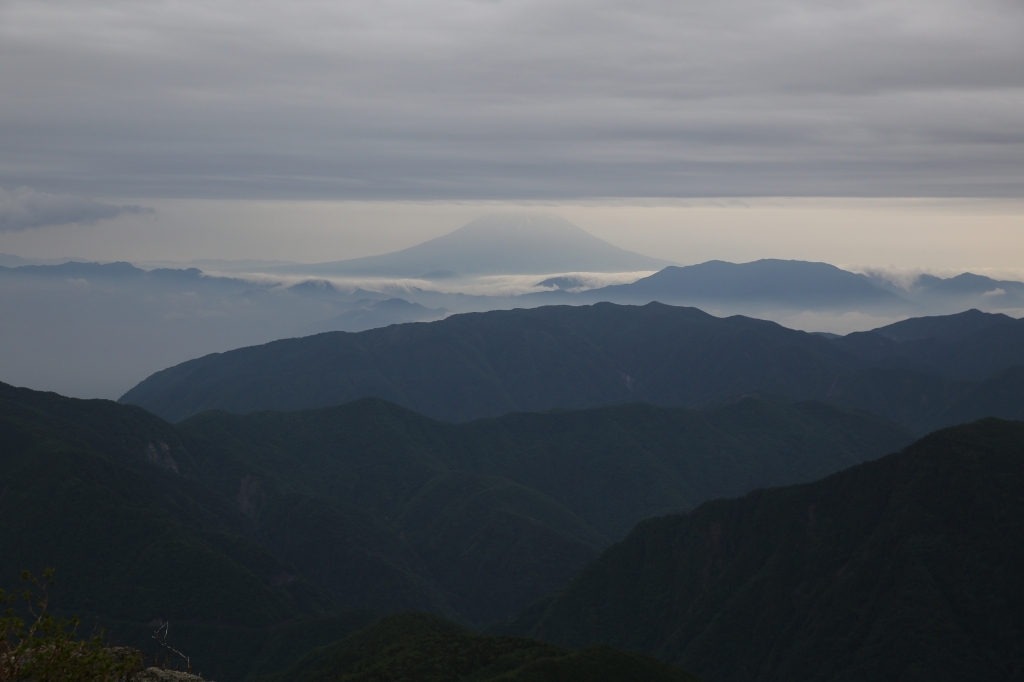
25	208
514	99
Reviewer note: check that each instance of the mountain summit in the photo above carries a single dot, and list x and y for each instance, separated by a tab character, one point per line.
767	283
509	243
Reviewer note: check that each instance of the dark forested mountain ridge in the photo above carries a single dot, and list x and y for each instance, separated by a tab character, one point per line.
971	345
945	328
1000	395
907	567
228	523
610	467
110	496
486	364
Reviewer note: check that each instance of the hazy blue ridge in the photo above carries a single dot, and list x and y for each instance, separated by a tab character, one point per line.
778	284
571	357
96	329
499	244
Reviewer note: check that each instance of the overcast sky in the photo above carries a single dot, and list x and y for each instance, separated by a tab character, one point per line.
467	99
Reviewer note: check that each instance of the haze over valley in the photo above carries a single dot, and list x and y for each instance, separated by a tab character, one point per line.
96	329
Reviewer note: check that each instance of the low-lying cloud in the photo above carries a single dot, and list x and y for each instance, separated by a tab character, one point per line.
486	285
24	208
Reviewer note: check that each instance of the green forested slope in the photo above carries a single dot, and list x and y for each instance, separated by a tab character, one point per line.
904	568
425	648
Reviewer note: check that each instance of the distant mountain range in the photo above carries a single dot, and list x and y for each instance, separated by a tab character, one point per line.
904	568
515	243
92	329
370	314
770	286
922	373
245	531
542	244
759	286
765	283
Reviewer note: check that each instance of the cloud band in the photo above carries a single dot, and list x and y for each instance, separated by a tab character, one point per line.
24	208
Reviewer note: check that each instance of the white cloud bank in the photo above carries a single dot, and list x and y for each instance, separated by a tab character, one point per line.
488	285
24	208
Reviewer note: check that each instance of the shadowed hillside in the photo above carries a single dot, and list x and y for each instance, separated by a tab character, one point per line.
425	648
918	373
234	527
486	364
904	568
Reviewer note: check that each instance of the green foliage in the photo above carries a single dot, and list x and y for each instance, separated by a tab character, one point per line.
46	648
426	648
905	568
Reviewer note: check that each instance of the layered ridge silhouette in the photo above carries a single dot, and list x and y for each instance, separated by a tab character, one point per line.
903	568
246	531
486	364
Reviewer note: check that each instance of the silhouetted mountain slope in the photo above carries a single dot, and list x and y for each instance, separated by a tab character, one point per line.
118	272
486	364
250	522
907	567
77	269
369	314
945	328
969	345
503	511
1000	395
773	286
968	287
515	243
613	464
608	467
415	646
775	283
915	399
108	496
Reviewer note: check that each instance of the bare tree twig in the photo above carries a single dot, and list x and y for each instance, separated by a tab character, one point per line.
162	641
